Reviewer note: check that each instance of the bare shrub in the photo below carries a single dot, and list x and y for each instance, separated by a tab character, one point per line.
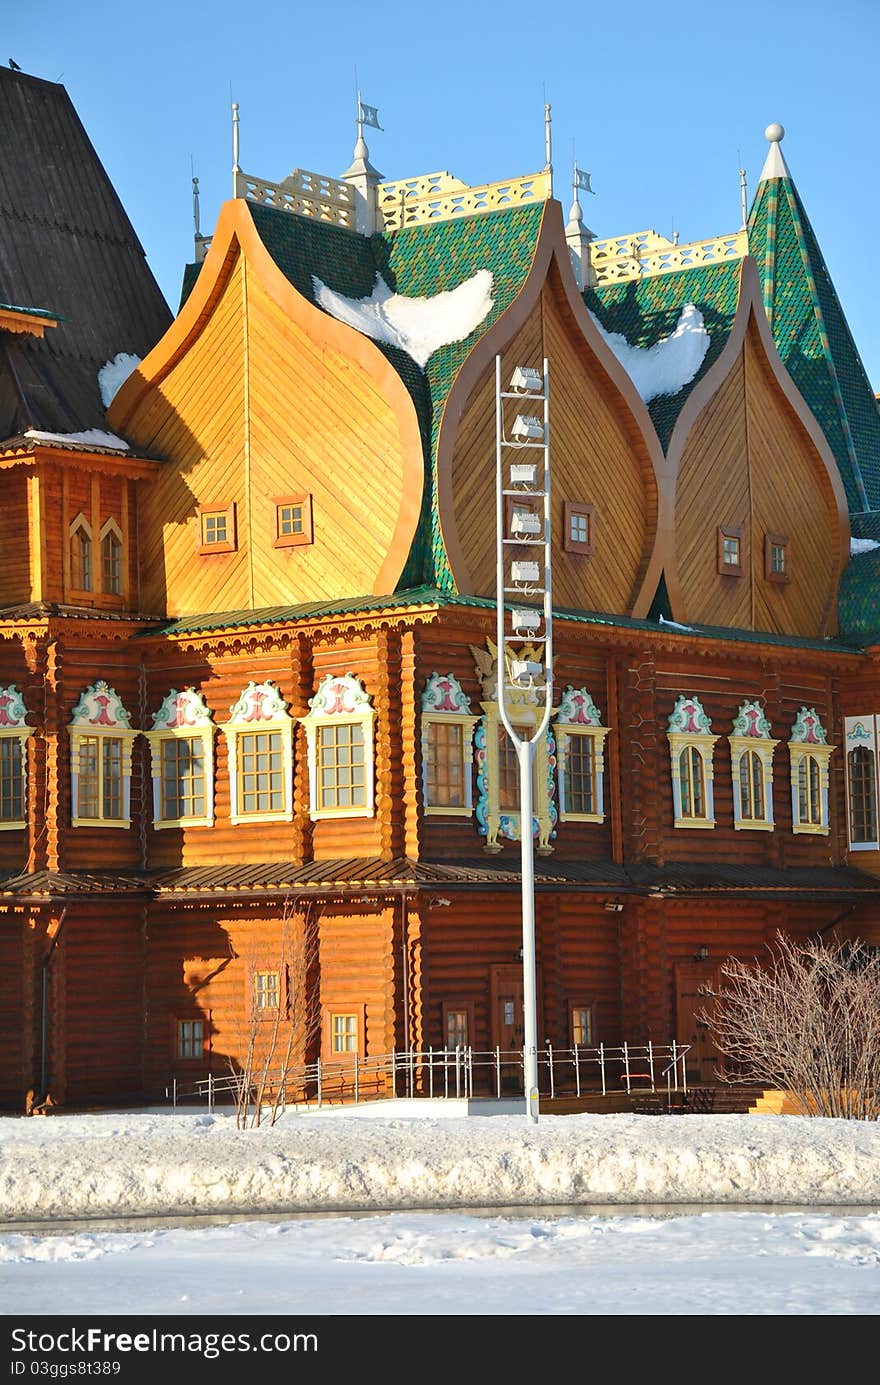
806	1022
277	1039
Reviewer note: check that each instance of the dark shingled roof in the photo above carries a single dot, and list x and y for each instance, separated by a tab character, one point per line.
66	245
377	876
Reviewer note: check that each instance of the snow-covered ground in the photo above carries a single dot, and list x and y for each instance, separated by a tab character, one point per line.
617	1214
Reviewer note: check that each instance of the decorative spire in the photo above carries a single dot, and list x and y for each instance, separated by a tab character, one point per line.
577	235
364	178
774	165
548	145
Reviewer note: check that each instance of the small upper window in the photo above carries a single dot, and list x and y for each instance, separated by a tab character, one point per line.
579	534
777	562
81	571
293	520
730	552
216	528
111	558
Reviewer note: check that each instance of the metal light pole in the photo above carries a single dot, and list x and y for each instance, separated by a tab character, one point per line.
527	581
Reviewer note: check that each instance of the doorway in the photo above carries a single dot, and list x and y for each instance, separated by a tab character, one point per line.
703	1058
508	1022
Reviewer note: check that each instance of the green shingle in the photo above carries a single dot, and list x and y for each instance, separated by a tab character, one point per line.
647	310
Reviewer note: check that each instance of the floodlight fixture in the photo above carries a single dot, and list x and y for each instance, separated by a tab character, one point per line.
524	572
527	428
524	474
527	380
525	671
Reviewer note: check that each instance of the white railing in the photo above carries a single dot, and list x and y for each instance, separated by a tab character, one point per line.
440	197
308	194
448	1073
618	259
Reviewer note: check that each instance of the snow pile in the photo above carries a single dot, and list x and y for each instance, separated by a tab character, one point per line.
675	625
668	365
419	326
113	375
92	437
862	546
151	1164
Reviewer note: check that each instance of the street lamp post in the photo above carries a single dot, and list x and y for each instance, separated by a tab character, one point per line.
525	654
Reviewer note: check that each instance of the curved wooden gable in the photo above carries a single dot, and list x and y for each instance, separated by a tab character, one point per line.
750	458
604	449
252	395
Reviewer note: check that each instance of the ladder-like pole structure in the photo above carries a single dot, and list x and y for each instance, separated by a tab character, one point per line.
523	536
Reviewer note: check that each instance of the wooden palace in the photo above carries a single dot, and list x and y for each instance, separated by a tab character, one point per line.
251	758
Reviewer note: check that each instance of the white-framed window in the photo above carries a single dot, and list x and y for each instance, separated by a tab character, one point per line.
14	735
580	752
259	735
339	735
101	740
751	765
447	748
182	754
861	783
691	751
809	754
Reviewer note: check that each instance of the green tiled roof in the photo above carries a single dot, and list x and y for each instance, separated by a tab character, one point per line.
813	338
647	310
420	261
858	600
429	596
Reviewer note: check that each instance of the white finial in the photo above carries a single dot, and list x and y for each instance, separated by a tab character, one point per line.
743	198
577	235
361	174
236	170
548	144
774	165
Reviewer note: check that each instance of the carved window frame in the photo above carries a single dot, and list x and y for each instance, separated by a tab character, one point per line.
506	822
860	733
808	747
99	715
182	716
444	703
260	709
13	728
579	717
690	729
82	566
751	734
110	529
341	700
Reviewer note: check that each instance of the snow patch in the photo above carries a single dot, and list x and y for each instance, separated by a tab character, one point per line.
419	326
674	624
113	375
92	437
668	365
862	546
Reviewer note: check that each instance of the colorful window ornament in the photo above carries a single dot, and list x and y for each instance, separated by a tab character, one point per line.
182	752
810	755
339	735
580	738
13	759
447	747
861	782
101	739
259	736
751	764
691	749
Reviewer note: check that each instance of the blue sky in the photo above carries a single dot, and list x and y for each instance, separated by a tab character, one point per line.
664	103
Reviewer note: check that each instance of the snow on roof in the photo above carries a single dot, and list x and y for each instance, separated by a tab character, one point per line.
668	365
862	546
114	373
419	326
92	437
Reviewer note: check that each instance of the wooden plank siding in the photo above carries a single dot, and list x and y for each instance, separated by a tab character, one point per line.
597	458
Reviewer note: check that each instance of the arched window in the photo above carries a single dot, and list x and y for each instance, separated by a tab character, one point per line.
691	746
861	782
809	773
751	760
111	559
447	747
81	573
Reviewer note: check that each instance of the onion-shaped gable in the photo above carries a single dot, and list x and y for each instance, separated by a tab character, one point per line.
257	398
761	532
605	455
